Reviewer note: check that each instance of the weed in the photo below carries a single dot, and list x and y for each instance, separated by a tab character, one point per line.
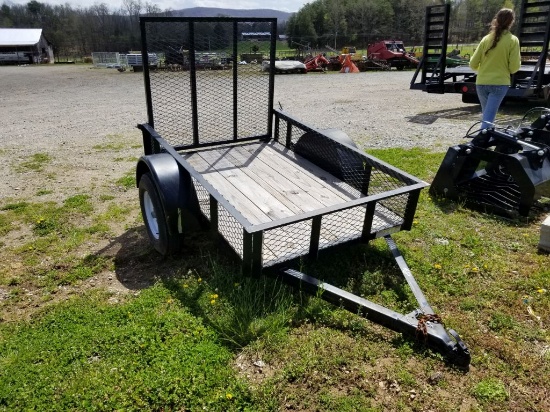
128	181
490	390
500	322
34	163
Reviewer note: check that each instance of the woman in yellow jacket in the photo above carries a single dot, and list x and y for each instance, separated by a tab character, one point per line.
495	59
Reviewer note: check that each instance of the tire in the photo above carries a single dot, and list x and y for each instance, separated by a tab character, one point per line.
154	217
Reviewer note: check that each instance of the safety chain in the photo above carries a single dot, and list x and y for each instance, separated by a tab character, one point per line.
422	319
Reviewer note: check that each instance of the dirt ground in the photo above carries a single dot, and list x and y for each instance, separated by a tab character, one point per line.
84	119
68	110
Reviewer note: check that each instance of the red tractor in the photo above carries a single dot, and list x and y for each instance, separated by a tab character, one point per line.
391	52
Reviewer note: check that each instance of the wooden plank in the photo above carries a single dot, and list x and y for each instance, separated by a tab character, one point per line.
236	181
274	179
306	175
240	181
235	197
309	173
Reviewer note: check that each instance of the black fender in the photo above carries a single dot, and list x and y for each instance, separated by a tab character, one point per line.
334	151
172	184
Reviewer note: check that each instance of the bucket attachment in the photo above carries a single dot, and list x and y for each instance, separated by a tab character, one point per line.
502	171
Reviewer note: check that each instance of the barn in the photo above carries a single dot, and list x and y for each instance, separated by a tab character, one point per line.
24	46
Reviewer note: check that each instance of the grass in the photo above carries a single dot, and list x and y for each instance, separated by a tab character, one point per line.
33	163
197	336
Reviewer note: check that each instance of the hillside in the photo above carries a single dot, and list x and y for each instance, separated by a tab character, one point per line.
214	12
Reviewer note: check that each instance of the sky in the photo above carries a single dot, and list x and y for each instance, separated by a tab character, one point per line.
282	5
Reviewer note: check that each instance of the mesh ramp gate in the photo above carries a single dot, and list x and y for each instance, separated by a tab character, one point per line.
202	91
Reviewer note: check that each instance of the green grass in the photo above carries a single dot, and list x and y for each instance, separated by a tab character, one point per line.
34	163
195	335
148	353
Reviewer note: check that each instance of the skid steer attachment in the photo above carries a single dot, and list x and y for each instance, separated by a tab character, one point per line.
502	170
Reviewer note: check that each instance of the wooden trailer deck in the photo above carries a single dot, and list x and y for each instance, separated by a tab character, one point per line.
267	182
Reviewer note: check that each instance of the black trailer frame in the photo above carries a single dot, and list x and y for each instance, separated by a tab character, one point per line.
213	143
531	82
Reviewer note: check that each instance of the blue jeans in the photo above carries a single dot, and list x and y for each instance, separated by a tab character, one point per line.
490	97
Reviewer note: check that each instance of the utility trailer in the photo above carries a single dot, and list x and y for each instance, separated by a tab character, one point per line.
531	82
271	187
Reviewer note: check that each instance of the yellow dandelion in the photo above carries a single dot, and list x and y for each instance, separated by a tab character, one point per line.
437	266
415	222
214	296
229	396
541	290
185	285
475	269
199	280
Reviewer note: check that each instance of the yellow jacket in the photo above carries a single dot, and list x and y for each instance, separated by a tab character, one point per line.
495	67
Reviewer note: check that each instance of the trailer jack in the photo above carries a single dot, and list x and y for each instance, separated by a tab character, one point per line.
422	323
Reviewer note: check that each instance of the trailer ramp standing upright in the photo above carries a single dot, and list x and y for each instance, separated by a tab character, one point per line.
531	82
273	188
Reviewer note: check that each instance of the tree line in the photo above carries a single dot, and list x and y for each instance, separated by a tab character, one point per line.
336	23
83	30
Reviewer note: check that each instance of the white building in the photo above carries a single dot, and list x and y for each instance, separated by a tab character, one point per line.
20	46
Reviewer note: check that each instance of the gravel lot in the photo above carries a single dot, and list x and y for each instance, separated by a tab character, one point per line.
71	112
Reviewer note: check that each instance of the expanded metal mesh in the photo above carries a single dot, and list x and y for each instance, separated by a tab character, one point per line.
203	197
230	229
209	86
286	242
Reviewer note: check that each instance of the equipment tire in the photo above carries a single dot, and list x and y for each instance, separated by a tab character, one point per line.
154	217
470	98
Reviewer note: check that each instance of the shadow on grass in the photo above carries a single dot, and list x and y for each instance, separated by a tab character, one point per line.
448	207
257	306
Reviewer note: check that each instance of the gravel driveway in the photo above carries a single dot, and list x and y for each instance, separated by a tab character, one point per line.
85	118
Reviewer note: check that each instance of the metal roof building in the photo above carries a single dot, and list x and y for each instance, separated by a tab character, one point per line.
20	46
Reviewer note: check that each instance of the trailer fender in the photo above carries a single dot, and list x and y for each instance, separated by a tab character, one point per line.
340	136
173	187
333	150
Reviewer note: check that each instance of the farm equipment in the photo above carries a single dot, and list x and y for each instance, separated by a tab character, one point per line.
316	63
531	82
272	188
347	64
501	170
390	53
135	61
285	66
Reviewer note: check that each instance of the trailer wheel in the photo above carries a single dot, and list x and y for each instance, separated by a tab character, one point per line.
154	218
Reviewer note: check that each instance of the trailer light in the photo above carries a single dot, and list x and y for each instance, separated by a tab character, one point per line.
464	89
